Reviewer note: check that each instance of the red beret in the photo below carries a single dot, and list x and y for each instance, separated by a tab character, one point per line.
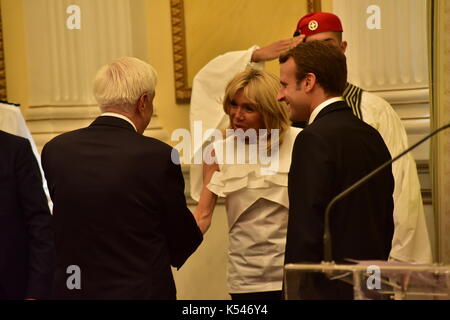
318	22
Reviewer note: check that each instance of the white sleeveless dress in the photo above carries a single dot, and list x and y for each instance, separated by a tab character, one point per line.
257	208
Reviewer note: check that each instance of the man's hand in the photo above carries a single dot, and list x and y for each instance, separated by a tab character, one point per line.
203	223
274	50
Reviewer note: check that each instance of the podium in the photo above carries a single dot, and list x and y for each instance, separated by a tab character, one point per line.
366	280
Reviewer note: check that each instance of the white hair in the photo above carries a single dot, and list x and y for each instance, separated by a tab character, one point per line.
122	82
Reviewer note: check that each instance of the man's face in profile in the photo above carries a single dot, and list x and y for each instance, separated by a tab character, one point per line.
292	93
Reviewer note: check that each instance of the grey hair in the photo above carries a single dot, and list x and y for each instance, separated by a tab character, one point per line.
122	82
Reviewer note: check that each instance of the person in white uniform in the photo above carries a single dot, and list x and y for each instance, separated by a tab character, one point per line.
13	122
410	242
255	191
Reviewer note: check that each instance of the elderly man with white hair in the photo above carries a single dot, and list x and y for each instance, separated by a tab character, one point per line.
120	214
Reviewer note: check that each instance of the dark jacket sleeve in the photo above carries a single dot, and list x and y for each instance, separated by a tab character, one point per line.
182	233
309	188
38	223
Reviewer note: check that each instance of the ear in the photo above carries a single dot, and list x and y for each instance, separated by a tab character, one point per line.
309	81
141	103
343	46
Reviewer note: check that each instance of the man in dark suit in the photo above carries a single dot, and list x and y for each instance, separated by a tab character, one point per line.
335	150
120	212
26	238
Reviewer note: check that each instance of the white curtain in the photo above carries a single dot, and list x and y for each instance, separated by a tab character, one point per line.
61	61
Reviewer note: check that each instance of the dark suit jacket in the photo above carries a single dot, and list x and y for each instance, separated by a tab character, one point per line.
329	155
120	212
26	239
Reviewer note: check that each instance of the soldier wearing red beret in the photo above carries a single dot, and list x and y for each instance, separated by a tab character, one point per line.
410	242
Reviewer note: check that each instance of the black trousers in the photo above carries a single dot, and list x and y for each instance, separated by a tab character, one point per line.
268	295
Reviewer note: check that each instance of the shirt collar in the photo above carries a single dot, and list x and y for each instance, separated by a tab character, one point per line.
121	116
322	106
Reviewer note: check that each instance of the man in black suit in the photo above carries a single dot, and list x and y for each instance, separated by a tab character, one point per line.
26	238
335	150
120	212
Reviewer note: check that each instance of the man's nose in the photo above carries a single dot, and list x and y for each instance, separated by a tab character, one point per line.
280	95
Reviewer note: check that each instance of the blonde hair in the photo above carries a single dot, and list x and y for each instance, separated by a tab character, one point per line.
261	88
122	82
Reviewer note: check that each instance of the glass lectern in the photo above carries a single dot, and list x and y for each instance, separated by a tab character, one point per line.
367	280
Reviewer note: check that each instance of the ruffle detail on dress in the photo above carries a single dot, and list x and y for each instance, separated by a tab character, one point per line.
234	177
237	177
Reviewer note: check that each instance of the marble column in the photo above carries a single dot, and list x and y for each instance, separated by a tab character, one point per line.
440	151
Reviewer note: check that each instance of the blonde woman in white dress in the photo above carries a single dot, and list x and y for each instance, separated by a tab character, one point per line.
255	192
